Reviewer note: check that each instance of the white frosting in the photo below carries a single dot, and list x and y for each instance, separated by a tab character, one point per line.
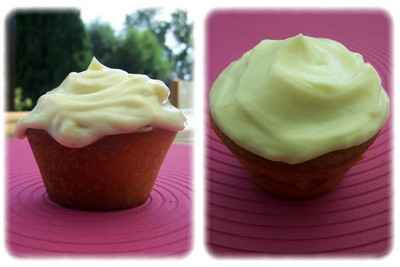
296	99
102	101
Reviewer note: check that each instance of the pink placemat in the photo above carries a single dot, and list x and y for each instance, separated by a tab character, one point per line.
353	220
37	226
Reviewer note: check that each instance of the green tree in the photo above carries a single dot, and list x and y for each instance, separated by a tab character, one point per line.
140	52
20	102
182	31
145	19
179	27
47	45
133	51
103	41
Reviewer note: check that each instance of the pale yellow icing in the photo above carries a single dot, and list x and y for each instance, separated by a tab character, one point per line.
102	101
296	99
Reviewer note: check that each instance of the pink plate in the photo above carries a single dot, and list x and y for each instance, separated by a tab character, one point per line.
37	226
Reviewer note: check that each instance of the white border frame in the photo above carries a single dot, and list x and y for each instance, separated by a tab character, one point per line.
199	11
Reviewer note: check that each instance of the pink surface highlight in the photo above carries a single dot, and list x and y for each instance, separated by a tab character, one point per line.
38	227
353	220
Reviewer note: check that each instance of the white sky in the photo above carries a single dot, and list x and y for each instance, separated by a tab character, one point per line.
115	16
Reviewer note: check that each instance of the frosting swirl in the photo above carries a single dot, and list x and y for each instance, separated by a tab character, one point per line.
296	99
102	101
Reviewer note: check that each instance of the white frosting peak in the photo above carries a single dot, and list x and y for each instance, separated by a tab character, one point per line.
95	65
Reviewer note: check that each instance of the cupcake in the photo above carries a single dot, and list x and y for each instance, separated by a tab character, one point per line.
99	139
298	113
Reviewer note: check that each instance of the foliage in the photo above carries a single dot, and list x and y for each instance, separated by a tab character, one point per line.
20	102
48	45
182	31
134	51
178	26
140	52
103	41
44	46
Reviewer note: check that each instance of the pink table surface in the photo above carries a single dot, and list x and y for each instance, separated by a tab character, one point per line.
353	220
37	226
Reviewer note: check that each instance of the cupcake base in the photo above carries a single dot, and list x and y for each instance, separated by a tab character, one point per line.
116	172
301	181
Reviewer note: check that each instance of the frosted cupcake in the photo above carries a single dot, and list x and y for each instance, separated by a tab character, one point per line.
298	113
99	138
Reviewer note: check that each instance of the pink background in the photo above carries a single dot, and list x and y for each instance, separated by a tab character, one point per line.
353	220
38	227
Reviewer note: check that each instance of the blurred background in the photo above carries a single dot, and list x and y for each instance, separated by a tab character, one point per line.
43	46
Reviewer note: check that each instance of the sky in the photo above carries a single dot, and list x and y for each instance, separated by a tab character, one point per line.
116	17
